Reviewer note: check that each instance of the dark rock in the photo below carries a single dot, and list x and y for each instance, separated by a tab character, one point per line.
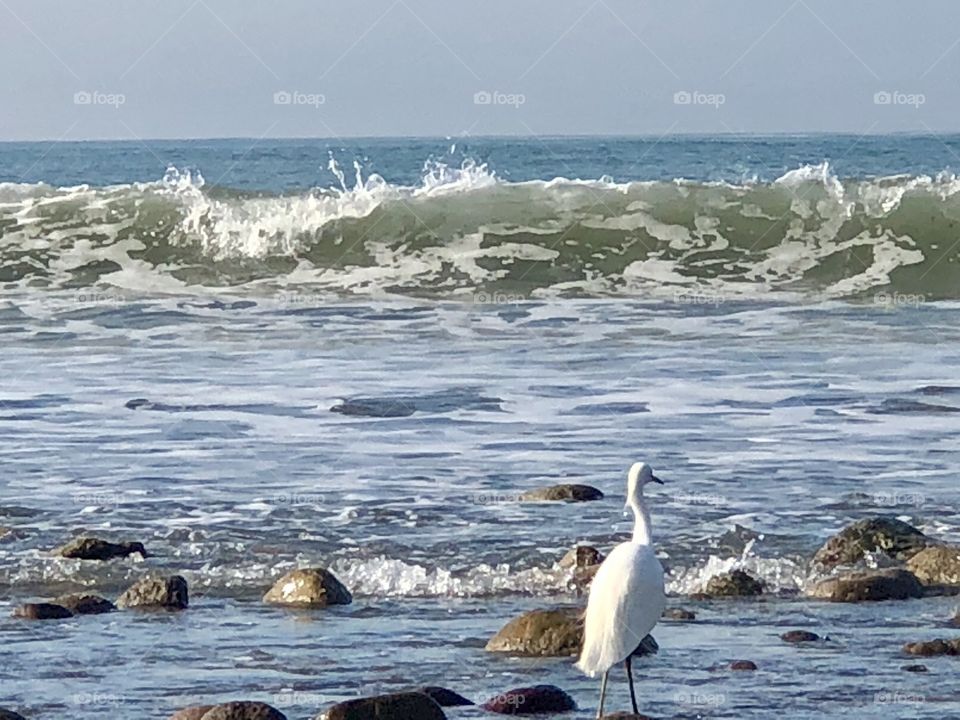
81	604
195	712
933	647
881	534
541	632
914	668
890	584
562	493
679	614
799	636
156	592
581	556
443	697
89	548
743	665
10	715
308	587
936	565
531	701
626	716
243	710
41	611
736	583
398	706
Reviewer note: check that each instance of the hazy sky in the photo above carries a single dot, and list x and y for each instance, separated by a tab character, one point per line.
227	68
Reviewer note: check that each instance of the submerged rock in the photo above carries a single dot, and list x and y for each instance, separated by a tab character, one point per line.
626	716
881	534
91	548
799	636
397	706
679	614
308	587
82	604
736	583
10	715
871	585
156	592
41	611
443	697
562	493
936	565
243	710
914	668
930	648
581	556
531	701
542	633
743	665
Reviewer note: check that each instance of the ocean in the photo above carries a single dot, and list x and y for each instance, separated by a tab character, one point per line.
254	355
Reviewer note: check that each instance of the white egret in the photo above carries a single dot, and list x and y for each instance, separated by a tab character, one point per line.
626	595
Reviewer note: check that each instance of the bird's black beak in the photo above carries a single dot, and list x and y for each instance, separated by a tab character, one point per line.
657	480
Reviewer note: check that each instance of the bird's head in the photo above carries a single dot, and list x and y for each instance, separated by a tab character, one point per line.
640	474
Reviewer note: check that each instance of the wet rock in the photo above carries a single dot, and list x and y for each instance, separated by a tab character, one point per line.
581	556
890	584
443	697
531	701
626	716
799	636
881	534
542	633
41	611
308	587
914	668
930	648
243	710
562	493
954	621
936	565
736	583
81	604
397	706
91	548
156	592
679	614
743	665
196	712
10	715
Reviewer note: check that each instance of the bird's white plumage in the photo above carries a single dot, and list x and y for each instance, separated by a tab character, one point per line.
626	596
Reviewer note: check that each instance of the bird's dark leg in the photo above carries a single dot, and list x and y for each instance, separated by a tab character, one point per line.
633	695
603	693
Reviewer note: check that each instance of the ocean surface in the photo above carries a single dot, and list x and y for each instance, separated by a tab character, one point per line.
253	355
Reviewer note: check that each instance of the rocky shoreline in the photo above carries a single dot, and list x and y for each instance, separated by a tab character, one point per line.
870	560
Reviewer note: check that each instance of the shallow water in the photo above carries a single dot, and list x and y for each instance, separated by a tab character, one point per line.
203	427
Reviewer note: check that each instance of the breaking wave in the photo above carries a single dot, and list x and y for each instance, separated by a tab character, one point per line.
462	231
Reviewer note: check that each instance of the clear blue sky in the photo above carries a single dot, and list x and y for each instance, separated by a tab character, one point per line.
220	68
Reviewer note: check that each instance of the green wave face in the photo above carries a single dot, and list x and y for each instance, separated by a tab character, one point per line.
806	234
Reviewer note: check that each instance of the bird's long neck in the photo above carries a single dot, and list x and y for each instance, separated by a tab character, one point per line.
641	527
